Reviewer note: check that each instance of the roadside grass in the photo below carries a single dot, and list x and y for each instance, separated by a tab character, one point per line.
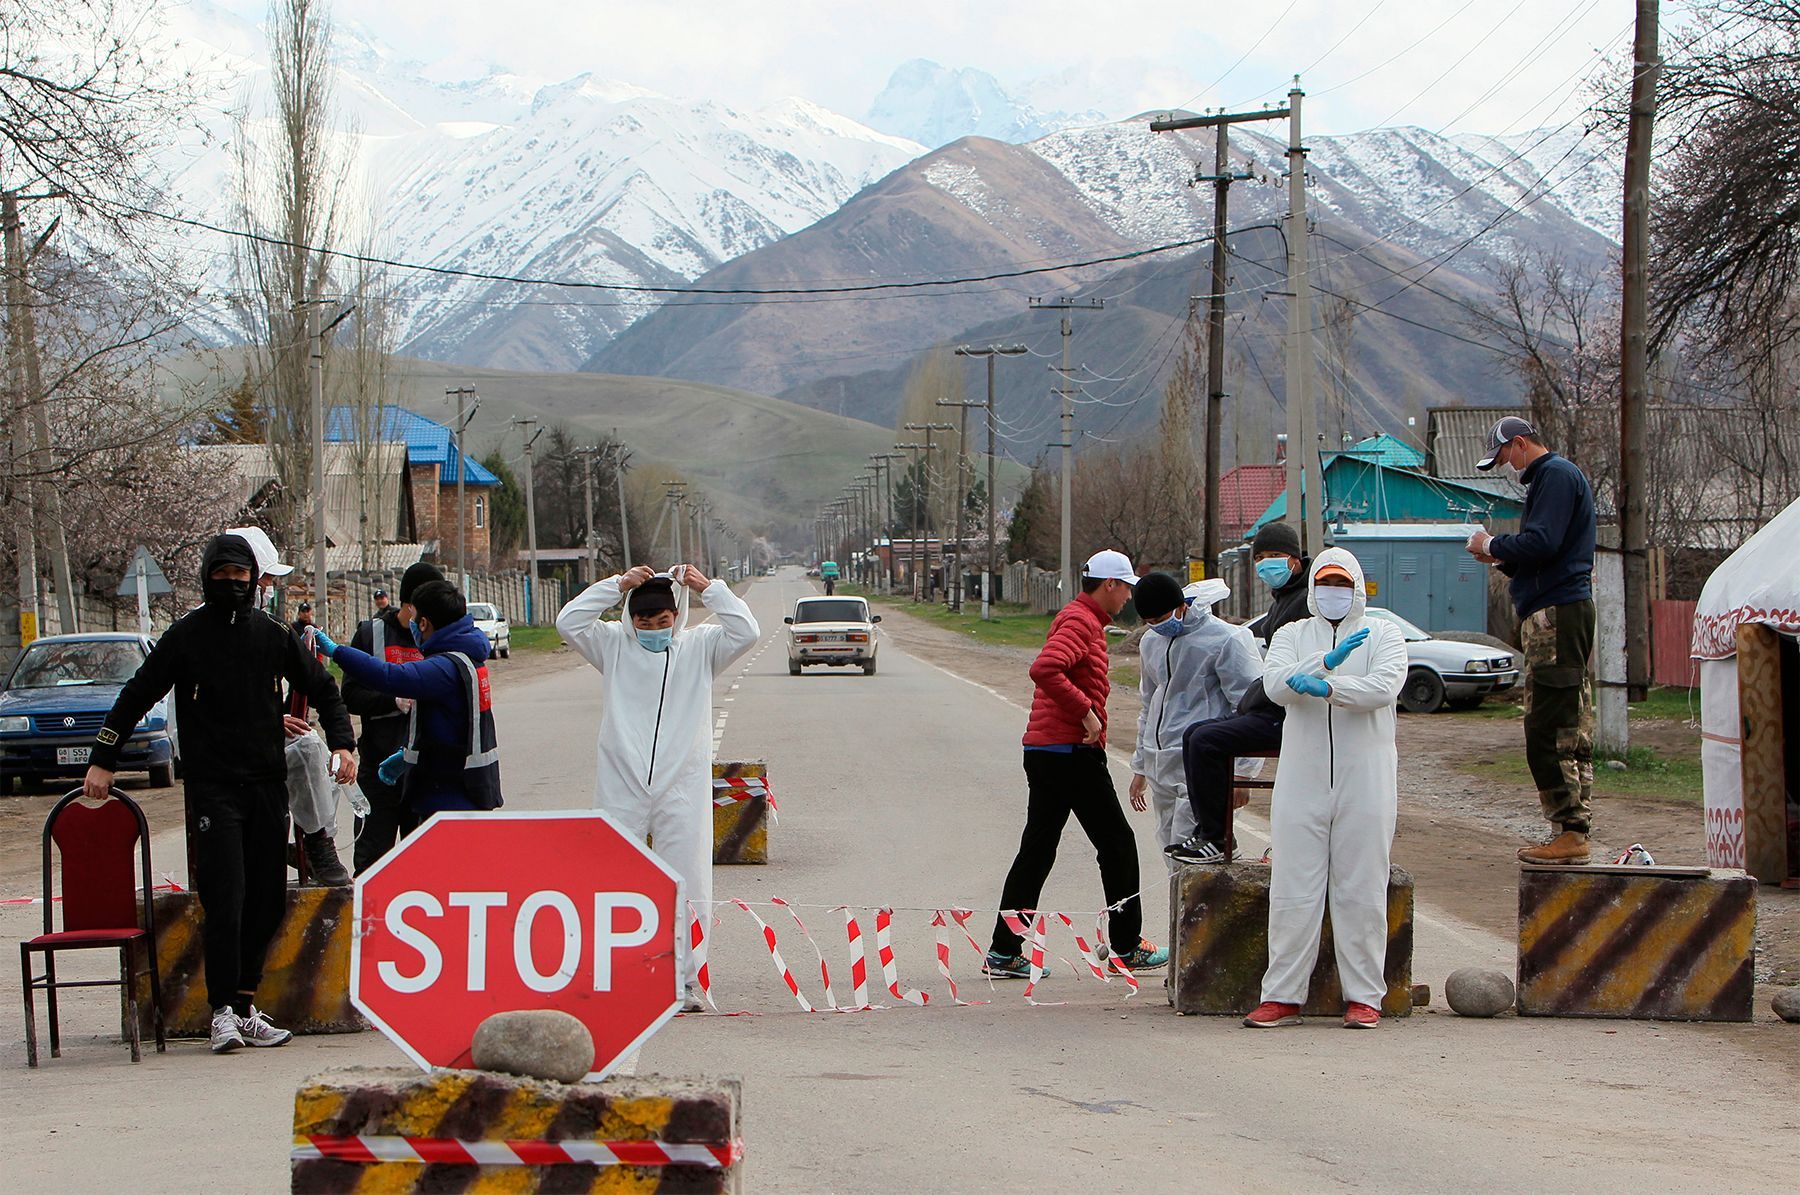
1646	773
1010	626
534	638
1663	704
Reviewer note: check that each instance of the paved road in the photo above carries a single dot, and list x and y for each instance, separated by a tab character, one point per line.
904	789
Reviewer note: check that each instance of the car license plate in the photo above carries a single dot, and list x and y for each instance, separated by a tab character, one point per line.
1504	683
72	755
831	638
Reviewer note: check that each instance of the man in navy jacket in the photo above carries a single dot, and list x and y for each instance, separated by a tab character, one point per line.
1550	563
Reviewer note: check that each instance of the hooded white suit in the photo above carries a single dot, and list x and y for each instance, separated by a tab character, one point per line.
654	775
1331	819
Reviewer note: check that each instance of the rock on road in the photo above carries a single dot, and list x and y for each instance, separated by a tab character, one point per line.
905	789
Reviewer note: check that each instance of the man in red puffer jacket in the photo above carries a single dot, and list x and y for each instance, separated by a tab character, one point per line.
1066	772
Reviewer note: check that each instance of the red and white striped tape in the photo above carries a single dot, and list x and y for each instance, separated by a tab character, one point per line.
824	970
451	1151
697	948
859	964
730	790
890	974
942	919
1087	956
787	976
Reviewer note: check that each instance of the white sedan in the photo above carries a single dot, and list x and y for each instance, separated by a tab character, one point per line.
492	623
837	631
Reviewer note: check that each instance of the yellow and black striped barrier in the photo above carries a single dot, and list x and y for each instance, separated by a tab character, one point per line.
306	975
1219	944
395	1131
1674	944
741	805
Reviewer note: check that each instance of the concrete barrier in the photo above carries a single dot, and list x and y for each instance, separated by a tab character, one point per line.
394	1131
306	977
741	828
1219	944
1656	943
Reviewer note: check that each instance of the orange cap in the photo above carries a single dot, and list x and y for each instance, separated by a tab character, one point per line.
1333	570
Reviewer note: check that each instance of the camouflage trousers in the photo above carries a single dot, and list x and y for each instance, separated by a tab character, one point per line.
1559	711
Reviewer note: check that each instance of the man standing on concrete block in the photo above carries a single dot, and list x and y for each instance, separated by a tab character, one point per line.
1331	816
1193	667
654	769
1066	772
225	661
1551	564
1209	747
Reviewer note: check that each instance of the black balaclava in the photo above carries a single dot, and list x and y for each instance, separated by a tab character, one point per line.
232	596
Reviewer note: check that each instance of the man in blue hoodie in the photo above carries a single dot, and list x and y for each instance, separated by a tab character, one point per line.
451	757
1550	563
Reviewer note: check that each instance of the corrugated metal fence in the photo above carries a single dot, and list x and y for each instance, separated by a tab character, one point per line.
1671	637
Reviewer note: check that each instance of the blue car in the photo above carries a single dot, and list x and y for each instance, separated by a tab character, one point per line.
57	696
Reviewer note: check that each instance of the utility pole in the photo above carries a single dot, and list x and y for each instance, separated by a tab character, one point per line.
884	469
592	552
962	448
1634	359
460	393
1305	485
990	352
912	469
620	456
531	553
673	494
23	486
1221	178
1066	306
929	429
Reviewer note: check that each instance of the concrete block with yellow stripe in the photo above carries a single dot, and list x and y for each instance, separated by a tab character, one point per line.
306	975
741	807
385	1130
1219	943
1660	943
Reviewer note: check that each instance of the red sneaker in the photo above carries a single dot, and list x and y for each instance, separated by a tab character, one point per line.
1361	1016
1271	1015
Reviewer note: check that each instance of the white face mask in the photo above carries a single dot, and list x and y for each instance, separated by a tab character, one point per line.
1334	601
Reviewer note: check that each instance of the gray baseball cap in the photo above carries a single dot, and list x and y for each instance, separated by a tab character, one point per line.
1502	434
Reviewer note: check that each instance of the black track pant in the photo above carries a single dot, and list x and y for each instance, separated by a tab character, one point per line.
1207	751
388	822
1074	782
241	835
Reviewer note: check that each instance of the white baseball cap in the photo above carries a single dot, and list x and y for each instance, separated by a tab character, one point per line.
268	560
1110	566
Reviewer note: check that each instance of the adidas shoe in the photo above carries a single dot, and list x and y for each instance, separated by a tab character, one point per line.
1195	850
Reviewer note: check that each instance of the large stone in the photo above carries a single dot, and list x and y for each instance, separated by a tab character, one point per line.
1657	943
1219	943
1787	1004
1478	992
538	1043
400	1130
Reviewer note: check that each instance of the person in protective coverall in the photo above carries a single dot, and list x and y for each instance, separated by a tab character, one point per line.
654	771
1331	816
1193	666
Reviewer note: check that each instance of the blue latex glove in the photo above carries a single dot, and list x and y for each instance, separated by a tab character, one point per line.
392	769
1337	655
1311	686
325	642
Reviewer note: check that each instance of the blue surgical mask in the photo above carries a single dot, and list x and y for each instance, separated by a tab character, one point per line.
418	635
1274	573
1170	627
657	640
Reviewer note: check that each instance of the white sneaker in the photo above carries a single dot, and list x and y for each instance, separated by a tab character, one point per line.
691	1000
225	1034
258	1030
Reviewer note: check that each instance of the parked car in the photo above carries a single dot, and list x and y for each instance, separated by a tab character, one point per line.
490	622
832	630
1442	672
58	694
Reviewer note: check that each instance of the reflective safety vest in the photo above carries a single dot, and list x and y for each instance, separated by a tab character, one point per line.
392	653
477	767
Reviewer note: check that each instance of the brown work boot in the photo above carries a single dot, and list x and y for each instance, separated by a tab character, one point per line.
1569	847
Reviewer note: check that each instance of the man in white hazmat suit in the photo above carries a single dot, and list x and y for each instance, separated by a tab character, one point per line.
1331	816
1192	666
654	775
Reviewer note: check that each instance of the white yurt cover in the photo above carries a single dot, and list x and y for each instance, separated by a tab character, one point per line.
1760	583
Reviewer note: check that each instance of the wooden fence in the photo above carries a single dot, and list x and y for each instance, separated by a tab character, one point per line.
1671	639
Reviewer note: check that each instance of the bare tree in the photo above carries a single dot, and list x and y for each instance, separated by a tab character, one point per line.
369	384
289	188
1337	319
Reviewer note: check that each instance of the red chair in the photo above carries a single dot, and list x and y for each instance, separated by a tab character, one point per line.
100	910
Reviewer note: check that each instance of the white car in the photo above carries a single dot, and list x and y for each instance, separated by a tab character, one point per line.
837	631
1441	672
490	622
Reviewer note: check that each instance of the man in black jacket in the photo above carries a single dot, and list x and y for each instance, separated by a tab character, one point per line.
1551	564
225	661
388	637
1209	748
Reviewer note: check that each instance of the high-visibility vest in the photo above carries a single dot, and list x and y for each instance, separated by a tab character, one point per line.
479	763
392	653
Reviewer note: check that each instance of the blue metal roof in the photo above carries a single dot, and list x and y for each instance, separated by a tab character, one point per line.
427	442
1389	450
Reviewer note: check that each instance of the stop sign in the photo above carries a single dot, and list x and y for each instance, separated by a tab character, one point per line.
479	913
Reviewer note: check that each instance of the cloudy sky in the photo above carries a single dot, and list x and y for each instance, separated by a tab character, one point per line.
1459	65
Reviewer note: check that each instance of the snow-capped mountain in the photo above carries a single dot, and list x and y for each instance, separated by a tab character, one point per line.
585	179
934	105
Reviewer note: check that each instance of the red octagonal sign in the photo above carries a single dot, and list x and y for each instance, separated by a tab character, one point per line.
479	913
